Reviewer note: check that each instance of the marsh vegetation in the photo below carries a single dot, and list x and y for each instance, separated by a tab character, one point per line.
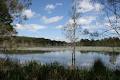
11	70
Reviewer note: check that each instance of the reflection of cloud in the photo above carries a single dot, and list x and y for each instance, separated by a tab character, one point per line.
118	62
83	61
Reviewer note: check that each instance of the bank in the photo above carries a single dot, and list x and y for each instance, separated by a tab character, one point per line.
82	48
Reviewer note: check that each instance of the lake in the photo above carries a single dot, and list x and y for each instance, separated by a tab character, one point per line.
83	59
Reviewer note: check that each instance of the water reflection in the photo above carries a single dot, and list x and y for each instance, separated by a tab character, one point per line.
83	59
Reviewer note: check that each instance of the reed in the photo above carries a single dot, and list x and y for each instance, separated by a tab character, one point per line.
10	70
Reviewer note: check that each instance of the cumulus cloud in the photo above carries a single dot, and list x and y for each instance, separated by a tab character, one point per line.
55	19
30	27
86	6
28	13
59	27
90	16
98	6
87	20
50	7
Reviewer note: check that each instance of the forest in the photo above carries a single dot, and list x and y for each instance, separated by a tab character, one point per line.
29	42
111	42
20	41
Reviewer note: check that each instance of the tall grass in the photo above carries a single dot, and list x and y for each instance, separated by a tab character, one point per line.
10	70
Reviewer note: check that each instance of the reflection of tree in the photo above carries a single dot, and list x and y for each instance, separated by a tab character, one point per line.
113	57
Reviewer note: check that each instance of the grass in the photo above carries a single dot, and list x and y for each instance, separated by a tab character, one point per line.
10	70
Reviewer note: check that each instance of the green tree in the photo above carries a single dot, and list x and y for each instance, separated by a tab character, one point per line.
10	10
5	19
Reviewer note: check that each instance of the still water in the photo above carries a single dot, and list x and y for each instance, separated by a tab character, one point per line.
83	59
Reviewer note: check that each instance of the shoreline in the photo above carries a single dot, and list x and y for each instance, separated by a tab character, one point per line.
82	48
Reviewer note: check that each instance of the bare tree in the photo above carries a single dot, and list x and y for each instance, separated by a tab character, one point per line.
115	20
72	28
112	13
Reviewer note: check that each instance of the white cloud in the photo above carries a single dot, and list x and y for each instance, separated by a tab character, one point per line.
87	20
50	7
112	18
86	6
98	6
55	19
59	27
59	38
28	13
30	27
107	24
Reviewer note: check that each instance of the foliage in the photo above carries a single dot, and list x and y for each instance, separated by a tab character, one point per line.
31	42
5	19
41	42
11	10
111	42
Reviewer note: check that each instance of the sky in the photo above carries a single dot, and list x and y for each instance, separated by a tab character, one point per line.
46	18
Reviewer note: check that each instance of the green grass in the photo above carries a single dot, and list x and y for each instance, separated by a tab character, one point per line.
10	70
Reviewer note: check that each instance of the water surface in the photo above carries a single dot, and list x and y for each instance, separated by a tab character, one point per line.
83	59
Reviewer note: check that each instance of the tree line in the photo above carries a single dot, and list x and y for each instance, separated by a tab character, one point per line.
29	42
42	42
111	41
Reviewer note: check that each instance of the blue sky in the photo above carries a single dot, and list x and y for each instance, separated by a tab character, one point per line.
46	18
